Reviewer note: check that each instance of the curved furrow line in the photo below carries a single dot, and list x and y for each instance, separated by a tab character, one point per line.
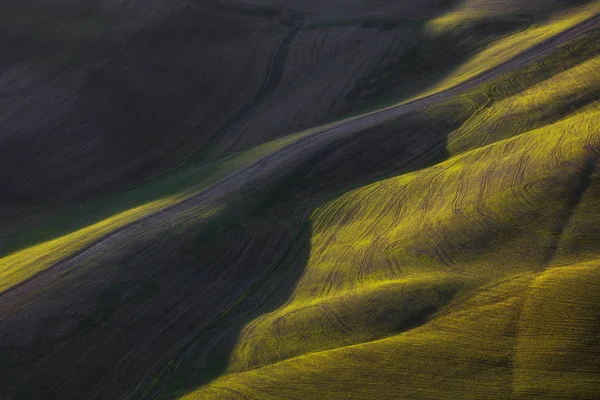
272	79
461	192
518	177
357	208
592	145
328	283
442	253
335	319
386	203
423	206
473	124
402	207
344	218
396	202
392	263
516	128
527	192
529	189
458	303
389	207
427	202
330	215
556	152
318	139
367	261
503	89
486	184
280	325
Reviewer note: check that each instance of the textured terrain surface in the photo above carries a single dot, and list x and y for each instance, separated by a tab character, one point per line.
265	199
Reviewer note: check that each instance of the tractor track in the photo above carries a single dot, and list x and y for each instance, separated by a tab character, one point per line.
306	145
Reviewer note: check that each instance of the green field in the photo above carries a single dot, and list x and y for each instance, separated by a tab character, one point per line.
34	250
478	271
405	207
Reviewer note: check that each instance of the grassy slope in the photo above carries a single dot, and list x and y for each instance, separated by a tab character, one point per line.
532	336
517	197
470	12
299	70
65	235
34	250
551	99
507	48
434	236
468	219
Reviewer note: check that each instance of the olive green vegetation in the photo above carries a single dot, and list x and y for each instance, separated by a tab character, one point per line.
532	336
402	246
469	12
33	251
501	51
474	278
552	99
471	276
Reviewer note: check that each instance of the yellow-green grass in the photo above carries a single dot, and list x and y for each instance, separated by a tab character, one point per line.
469	12
550	99
37	249
375	311
407	250
388	289
530	336
581	234
434	284
556	353
507	48
66	234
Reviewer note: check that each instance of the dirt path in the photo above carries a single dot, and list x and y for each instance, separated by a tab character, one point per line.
306	145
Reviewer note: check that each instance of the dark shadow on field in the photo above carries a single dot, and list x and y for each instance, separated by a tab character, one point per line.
413	142
580	186
139	104
428	61
328	173
178	182
142	99
136	94
119	94
161	306
194	173
141	94
118	319
207	356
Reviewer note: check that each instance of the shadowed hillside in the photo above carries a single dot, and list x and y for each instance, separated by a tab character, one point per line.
265	199
97	84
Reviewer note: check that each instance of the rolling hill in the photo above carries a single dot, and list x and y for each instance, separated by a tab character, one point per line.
262	199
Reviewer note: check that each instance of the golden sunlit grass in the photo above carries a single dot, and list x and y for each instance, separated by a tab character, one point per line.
474	278
507	48
473	11
530	336
550	99
418	238
444	263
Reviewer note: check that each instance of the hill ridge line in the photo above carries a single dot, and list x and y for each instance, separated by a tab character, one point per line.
326	134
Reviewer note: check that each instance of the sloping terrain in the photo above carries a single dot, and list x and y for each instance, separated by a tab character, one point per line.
180	222
94	83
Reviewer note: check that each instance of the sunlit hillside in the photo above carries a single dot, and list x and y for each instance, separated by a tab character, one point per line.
300	200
